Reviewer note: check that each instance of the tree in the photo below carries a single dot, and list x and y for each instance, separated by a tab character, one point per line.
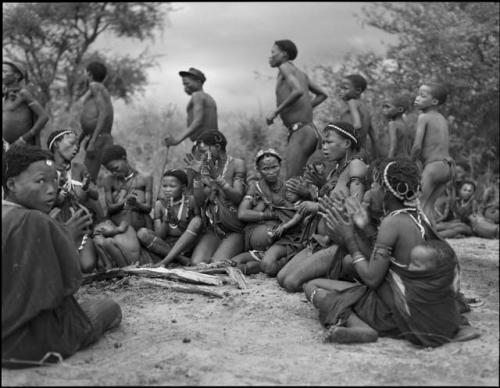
455	43
54	41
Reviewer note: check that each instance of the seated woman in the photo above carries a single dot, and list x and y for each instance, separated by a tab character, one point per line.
409	283
269	215
128	193
340	145
41	269
76	191
290	236
218	188
177	221
257	210
464	206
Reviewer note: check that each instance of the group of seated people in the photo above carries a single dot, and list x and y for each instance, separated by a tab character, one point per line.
463	213
369	260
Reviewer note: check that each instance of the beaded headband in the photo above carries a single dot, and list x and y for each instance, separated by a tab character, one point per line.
398	192
66	132
343	131
269	151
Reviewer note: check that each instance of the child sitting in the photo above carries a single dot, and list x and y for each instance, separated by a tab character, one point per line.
177	221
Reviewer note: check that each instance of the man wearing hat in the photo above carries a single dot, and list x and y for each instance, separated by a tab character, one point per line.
201	109
22	115
295	106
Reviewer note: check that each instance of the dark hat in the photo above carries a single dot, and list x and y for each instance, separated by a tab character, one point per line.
192	72
267	152
18	67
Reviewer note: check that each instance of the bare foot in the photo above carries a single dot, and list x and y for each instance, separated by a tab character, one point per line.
347	335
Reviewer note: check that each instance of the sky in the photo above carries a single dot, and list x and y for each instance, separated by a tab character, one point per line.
231	41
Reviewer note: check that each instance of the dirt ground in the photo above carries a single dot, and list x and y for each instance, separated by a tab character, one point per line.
265	336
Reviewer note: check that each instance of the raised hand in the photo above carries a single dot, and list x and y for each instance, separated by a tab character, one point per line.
193	163
357	212
338	224
314	176
299	187
79	223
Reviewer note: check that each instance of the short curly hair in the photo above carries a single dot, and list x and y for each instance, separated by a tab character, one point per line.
18	158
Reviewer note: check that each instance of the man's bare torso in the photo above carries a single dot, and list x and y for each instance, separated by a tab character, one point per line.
209	121
301	110
90	113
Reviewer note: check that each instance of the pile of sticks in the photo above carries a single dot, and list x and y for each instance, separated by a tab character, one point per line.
204	275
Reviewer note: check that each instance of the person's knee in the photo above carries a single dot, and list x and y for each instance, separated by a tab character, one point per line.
144	235
290	283
195	224
87	266
269	267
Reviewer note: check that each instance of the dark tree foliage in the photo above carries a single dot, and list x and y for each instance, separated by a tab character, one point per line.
454	43
54	41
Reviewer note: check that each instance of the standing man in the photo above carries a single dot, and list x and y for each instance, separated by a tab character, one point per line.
201	109
295	106
96	118
22	115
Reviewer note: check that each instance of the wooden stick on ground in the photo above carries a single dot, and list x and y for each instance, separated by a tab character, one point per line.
236	275
173	274
181	288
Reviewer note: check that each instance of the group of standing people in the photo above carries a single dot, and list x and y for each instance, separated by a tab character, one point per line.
337	223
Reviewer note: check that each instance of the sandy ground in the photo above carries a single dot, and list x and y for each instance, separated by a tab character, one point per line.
265	336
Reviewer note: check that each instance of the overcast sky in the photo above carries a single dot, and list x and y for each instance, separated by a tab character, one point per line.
231	41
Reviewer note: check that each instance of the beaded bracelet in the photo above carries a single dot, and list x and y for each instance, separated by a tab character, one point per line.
358	257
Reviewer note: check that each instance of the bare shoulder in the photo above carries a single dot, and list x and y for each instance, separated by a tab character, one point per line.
239	165
98	89
357	168
108	181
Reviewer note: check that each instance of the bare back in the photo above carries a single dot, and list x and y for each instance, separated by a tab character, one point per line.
95	102
403	141
435	142
365	121
209	113
301	110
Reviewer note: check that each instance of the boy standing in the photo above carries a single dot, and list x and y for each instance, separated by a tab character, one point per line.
399	134
96	118
357	113
431	145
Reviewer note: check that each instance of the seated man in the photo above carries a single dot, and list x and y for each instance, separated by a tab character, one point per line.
128	193
41	270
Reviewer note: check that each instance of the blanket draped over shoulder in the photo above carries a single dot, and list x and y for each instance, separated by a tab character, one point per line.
417	302
40	274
